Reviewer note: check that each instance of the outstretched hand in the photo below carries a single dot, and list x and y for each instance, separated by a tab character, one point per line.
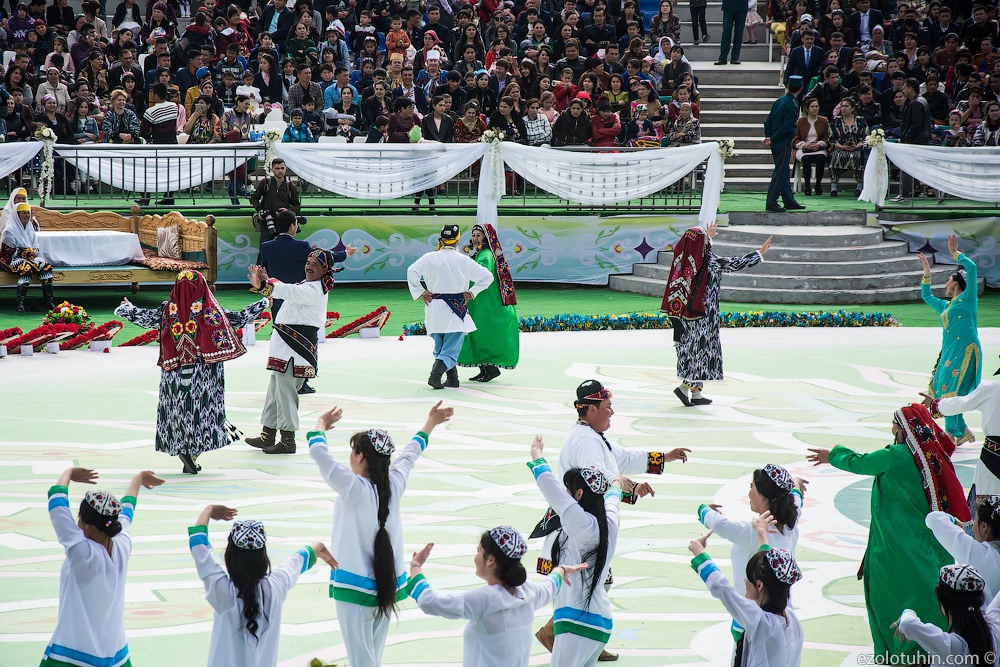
439	415
711	229
420	557
537	448
679	454
818	456
148	479
697	545
766	246
928	400
763	523
326	420
221	513
566	570
324	555
953	244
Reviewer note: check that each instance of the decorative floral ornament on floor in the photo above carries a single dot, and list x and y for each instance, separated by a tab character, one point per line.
47	173
727	149
67	313
376	318
106	331
272	137
144	339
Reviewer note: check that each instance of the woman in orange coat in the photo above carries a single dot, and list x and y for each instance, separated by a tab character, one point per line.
812	144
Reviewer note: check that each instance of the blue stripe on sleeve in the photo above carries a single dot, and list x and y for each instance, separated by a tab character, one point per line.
421	586
128	511
706	570
539	469
702	513
422	439
305	560
198	538
58	501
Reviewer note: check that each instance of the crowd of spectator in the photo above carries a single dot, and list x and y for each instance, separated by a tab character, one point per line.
931	75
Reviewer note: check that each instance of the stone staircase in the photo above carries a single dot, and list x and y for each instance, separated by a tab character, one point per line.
828	258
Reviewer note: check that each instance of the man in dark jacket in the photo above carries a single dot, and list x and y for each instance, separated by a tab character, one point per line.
598	31
829	93
779	130
734	16
273	194
916	130
276	19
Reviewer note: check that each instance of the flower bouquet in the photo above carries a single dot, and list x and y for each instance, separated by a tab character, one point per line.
727	148
331	317
376	318
67	313
492	135
874	138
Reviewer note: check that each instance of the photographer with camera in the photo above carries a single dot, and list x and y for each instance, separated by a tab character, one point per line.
274	193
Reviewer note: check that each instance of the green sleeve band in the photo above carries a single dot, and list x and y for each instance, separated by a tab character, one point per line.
423	435
129	500
412	582
537	462
312	557
310	434
58	489
699	559
764	547
194	530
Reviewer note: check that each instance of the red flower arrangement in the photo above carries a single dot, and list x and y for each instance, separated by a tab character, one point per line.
67	313
376	318
106	331
331	317
144	339
9	334
39	336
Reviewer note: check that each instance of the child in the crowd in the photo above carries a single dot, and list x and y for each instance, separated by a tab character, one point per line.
377	132
297	131
752	21
397	41
98	544
312	118
640	127
247	88
367	530
246	602
227	89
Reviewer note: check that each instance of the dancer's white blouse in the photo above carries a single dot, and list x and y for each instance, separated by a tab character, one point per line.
964	548
937	642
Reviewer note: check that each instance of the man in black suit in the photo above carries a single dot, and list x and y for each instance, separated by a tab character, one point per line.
943	26
863	20
276	19
916	129
805	60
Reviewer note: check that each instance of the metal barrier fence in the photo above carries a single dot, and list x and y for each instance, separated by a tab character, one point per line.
72	191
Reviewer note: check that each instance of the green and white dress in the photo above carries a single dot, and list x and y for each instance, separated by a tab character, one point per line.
495	342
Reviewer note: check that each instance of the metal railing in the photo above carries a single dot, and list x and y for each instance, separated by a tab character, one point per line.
458	195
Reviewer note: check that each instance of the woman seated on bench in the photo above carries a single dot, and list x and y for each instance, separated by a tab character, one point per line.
19	255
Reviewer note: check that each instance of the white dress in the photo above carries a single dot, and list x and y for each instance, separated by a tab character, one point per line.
769	640
446	271
91	626
499	630
986	399
984	556
232	645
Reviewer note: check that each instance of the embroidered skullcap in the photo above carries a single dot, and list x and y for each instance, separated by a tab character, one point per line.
590	392
450	233
23	206
783	565
781	477
103	503
962	578
381	441
510	541
993	502
595	479
325	259
248	534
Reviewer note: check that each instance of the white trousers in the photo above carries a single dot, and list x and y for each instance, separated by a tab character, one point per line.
281	404
363	634
571	650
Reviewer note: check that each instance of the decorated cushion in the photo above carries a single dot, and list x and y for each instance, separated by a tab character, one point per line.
168	242
157	263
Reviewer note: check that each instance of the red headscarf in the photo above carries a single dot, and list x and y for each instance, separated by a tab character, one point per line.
687	284
195	327
932	451
504	280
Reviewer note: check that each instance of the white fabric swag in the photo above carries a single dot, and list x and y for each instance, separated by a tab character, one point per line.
378	171
157	168
16	154
969	173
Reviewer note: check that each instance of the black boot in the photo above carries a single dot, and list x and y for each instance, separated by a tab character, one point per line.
265	439
491	373
437	370
479	376
452	380
47	296
22	292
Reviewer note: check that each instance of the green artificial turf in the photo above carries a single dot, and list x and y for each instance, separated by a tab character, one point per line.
353	301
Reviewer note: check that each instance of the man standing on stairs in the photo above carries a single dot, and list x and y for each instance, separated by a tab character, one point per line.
779	130
734	17
441	278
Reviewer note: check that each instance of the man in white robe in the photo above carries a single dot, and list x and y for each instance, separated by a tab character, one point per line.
442	279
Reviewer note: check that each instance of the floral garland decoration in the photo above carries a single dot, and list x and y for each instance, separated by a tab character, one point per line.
331	317
143	339
376	318
874	138
67	313
106	331
9	334
46	176
41	335
272	137
638	321
727	149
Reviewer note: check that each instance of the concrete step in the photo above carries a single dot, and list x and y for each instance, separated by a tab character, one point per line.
715	104
752	117
836	297
848	282
770	91
804	271
746	74
731	130
802	237
749	53
800	218
878	252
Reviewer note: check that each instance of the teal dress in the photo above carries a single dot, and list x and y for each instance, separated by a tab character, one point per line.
495	340
960	364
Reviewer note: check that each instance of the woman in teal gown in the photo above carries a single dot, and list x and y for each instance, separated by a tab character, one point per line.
960	365
494	343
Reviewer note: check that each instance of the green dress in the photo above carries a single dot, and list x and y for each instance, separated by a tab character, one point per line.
959	367
903	559
495	340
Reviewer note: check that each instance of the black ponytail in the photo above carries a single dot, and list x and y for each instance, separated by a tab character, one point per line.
383	560
986	514
782	503
758	570
594	504
246	569
109	525
510	572
964	608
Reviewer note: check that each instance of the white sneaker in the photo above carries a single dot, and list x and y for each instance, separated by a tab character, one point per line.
900	199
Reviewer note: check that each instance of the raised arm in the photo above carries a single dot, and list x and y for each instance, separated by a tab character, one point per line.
339	477
744	611
68	533
407	458
146	479
147	318
963	547
928	636
242	318
219	591
873	464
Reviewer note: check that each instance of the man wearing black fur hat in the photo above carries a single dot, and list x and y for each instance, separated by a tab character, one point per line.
442	279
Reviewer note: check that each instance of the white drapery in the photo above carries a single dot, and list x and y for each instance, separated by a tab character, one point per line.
378	171
969	173
15	154
90	248
159	168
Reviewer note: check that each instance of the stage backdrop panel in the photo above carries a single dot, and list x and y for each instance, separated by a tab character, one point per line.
570	249
931	237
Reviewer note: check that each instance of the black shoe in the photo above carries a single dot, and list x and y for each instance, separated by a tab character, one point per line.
857	192
437	370
306	389
701	401
477	378
491	373
818	190
142	201
705	38
47	297
720	61
234	201
452	381
774	208
794	206
22	293
807	191
679	393
166	201
189	465
735	62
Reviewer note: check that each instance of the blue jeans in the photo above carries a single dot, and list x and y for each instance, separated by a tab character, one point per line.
447	347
